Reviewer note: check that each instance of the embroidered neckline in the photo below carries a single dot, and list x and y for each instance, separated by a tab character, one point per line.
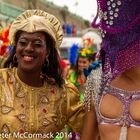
26	85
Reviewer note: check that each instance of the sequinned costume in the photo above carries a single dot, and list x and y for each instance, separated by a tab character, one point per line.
120	29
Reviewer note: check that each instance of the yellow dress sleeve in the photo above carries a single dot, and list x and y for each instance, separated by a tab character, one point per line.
75	110
2	61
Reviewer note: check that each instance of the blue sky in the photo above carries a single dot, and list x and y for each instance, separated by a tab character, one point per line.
85	8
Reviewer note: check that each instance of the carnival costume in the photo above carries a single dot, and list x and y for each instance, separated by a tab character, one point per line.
120	29
5	48
37	110
73	77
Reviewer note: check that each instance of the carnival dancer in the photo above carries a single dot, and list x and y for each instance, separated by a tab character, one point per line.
77	76
113	96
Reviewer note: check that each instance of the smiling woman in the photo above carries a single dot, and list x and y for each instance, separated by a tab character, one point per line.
31	51
77	75
32	89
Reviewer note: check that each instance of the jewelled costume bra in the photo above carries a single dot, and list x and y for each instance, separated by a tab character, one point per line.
126	97
98	86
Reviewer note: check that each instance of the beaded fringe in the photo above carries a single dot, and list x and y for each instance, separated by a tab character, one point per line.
92	88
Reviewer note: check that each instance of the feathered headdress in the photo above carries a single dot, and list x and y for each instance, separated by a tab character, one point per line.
4	33
87	42
86	52
3	41
120	29
73	53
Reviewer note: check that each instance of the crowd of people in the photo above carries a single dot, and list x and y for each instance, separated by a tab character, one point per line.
96	97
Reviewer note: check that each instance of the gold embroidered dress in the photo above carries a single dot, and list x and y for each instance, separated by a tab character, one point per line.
32	110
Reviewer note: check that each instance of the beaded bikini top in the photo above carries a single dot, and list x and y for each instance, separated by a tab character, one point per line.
126	98
97	87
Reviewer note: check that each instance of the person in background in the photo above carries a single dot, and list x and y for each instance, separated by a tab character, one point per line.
77	76
113	96
34	99
94	65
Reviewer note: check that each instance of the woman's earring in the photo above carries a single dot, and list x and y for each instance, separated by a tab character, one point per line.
46	63
14	58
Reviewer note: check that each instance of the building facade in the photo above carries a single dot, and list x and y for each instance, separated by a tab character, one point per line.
9	9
